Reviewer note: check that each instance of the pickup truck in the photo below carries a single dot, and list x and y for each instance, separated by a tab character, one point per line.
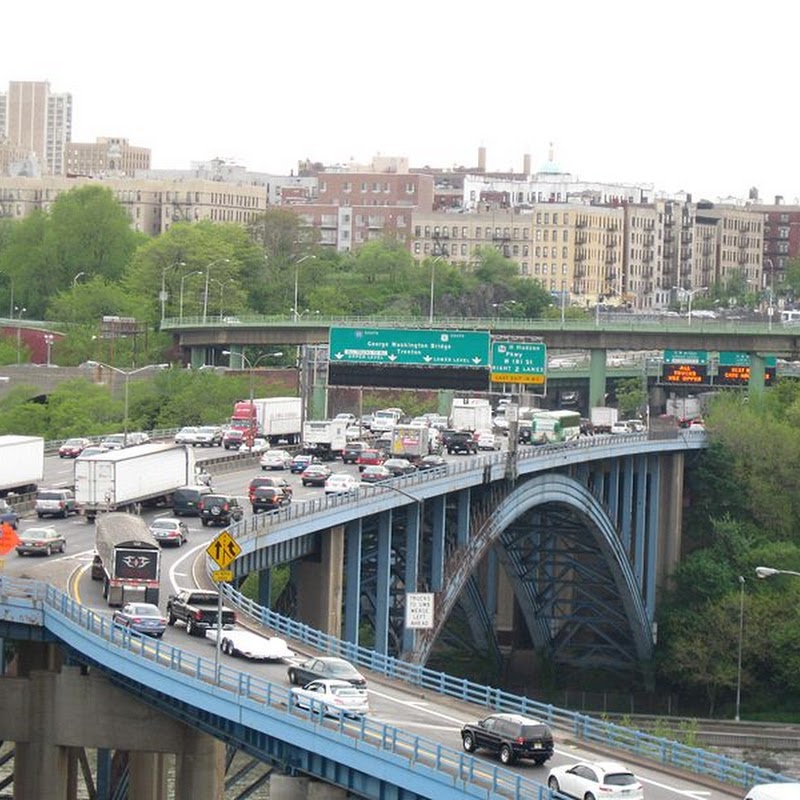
197	609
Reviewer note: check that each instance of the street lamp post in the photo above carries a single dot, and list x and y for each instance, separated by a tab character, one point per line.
126	373
770	307
433	281
163	295
222	285
19	312
48	340
251	365
769	572
741	637
297	282
208	273
75	279
690	293
183	278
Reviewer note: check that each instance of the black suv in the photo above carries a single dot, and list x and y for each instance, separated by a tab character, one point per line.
220	509
352	451
268	498
511	736
459	442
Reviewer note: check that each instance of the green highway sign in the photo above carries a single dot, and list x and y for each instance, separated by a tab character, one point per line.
686	356
387	346
519	362
735	359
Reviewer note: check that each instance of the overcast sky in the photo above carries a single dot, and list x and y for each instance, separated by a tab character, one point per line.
696	96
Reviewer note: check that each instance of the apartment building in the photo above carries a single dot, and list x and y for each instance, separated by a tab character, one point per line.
38	121
107	156
781	240
153	206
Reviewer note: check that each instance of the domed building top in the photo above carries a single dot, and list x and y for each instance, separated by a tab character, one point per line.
550	167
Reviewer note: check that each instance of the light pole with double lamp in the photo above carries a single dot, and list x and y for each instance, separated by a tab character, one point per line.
251	365
127	374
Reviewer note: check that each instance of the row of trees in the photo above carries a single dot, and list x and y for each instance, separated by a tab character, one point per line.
743	512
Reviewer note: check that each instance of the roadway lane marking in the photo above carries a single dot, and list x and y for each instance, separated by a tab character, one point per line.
173	570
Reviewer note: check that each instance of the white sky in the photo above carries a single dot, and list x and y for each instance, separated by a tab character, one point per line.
695	96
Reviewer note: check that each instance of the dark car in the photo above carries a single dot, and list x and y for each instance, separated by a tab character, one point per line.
220	509
431	462
370	458
276	481
315	475
319	667
511	736
301	461
376	474
186	500
8	513
399	466
352	451
459	442
72	448
268	498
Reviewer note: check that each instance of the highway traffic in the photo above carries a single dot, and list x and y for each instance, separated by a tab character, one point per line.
417	711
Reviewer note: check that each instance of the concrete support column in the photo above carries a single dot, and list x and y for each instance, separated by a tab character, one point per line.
319	585
197	357
236	359
41	769
758	369
291	787
671	521
597	377
437	505
200	768
265	588
411	576
463	532
148	775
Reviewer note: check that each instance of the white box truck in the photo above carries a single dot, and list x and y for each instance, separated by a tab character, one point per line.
122	480
274	418
21	464
602	418
471	414
325	438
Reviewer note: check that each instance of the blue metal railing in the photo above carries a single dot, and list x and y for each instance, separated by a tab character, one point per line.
667	752
270	708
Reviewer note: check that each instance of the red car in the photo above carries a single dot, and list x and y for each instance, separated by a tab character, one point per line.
72	448
370	458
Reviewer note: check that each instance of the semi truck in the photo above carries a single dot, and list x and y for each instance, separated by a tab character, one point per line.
126	479
274	418
128	559
21	464
325	438
471	414
410	441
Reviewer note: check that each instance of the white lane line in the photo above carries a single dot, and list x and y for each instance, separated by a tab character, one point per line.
173	570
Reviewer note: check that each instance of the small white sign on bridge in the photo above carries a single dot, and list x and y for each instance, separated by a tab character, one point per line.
419	610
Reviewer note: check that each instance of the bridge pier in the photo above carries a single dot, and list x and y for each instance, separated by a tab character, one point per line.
319	585
299	787
148	775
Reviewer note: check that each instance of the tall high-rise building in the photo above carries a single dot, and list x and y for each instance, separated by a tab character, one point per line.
33	118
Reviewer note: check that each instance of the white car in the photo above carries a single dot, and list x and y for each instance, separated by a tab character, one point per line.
332	696
619	427
276	459
259	446
341	483
486	440
350	419
607	779
238	642
186	435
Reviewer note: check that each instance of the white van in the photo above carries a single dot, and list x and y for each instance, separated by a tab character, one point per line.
790	317
774	791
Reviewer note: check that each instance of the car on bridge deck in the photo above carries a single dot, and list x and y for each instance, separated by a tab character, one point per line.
319	667
332	697
511	737
41	540
72	448
607	779
142	618
315	475
376	474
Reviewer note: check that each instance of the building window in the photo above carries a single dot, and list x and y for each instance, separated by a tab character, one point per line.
478	232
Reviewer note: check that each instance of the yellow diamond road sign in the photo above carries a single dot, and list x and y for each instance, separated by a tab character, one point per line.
224	549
